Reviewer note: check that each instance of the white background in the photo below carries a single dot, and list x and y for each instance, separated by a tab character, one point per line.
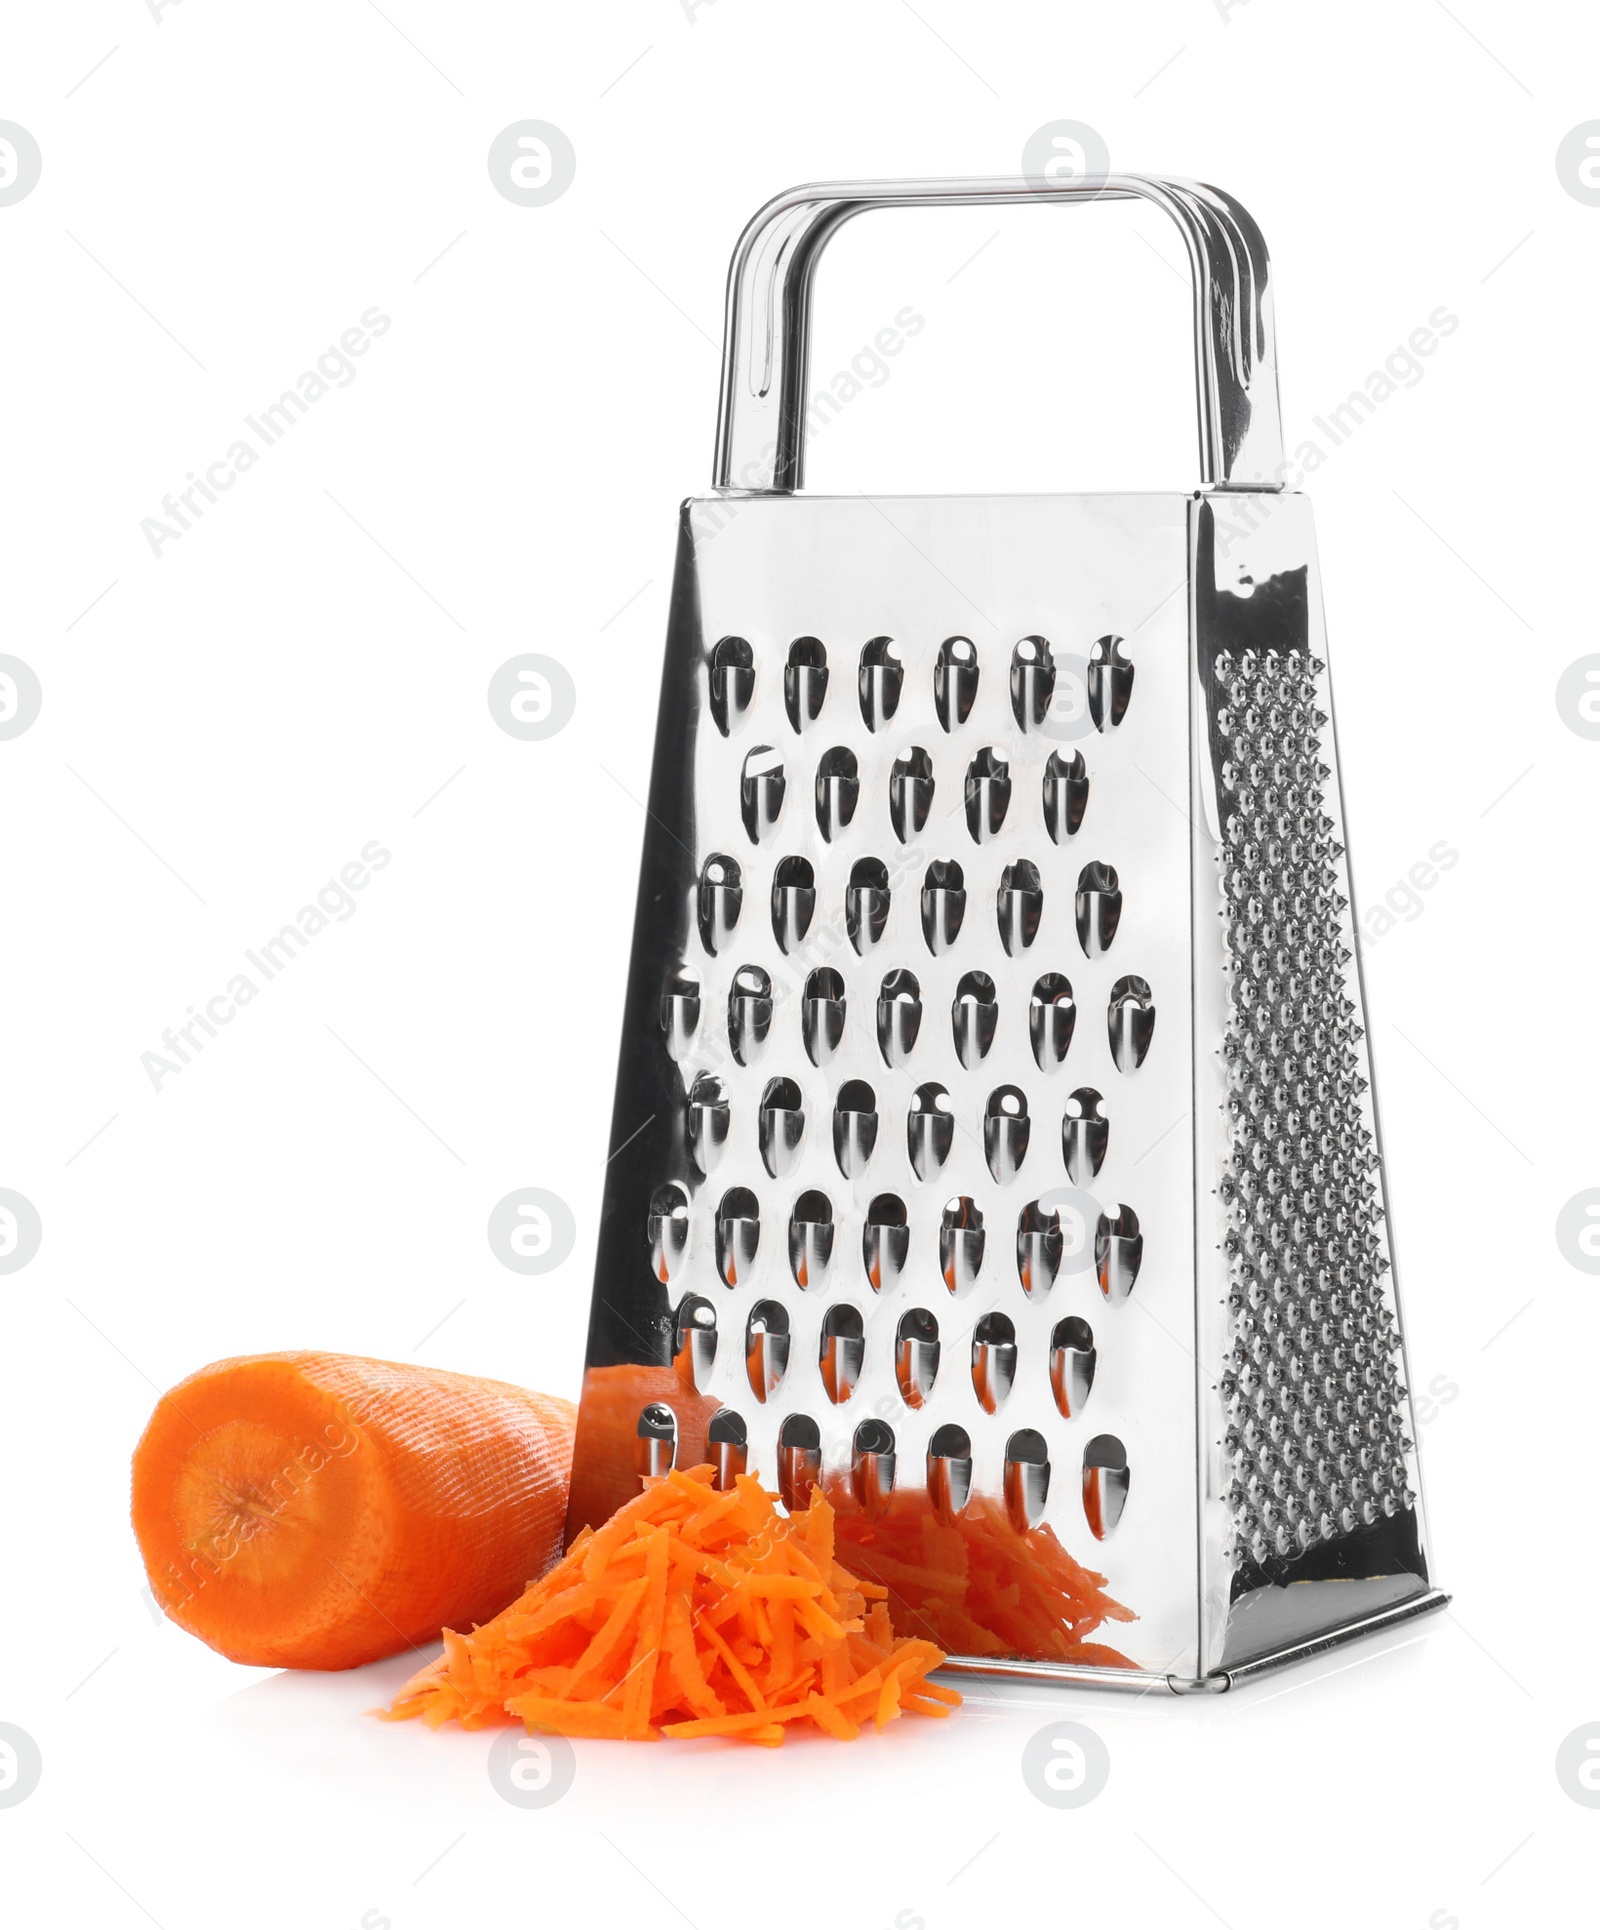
225	726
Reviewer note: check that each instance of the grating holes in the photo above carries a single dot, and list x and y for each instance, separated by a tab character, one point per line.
694	1341
657	1439
822	1014
872	1457
881	677
838	790
930	1129
738	1234
680	1012
944	904
1105	1484
916	1355
766	1348
1084	1135
949	1470
899	1017
841	1351
961	1242
761	788
1110	683
1019	905
1027	1478
1131	1022
1318	1440
1118	1251
988	794
721	898
885	1241
855	1127
866	903
910	792
1098	907
974	1014
781	1127
749	1013
794	901
1033	682
667	1230
1066	794
1039	1247
811	1232
1051	1017
710	1118
1072	1360
1006	1128
805	682
728	1442
733	682
994	1361
799	1461
955	681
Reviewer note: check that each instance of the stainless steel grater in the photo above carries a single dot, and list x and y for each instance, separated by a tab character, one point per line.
995	1141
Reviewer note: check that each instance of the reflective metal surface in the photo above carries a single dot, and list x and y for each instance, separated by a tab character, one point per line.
766	1348
872	1466
811	1233
1027	1479
761	424
729	1448
1072	1363
888	790
694	1341
949	1471
1106	1479
1312	1513
917	1352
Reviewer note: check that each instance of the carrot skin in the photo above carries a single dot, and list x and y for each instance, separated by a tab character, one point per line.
318	1511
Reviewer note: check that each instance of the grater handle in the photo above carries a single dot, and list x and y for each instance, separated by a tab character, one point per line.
761	418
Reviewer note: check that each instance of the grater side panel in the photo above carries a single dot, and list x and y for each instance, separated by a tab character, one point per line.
1310	1503
809	823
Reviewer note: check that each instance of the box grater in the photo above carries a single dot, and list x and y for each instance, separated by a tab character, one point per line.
994	1141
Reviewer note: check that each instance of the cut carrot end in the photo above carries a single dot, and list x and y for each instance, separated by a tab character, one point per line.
318	1511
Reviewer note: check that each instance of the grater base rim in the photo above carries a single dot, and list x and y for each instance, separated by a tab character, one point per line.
1303	1651
1067	1674
1141	1681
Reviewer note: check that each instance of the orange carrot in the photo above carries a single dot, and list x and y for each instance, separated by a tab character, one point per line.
689	1613
975	1586
317	1511
606	1473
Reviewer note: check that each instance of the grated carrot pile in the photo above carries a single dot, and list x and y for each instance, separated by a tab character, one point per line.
692	1612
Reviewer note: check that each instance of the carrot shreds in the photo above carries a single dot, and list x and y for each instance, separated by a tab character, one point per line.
974	1586
735	1668
691	1612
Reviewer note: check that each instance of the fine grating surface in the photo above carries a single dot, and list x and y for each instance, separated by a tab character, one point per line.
1315	1409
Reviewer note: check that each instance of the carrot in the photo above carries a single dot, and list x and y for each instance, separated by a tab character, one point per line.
317	1511
606	1473
688	1613
976	1586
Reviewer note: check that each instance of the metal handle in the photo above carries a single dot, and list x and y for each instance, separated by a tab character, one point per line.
761	419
